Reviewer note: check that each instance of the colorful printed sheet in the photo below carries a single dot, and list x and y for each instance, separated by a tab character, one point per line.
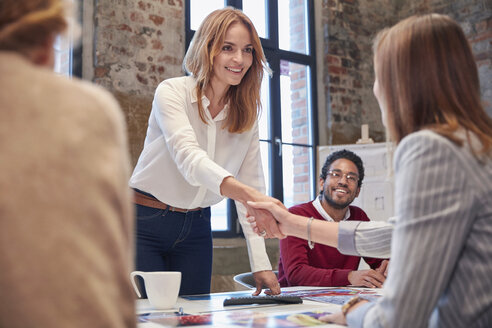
335	295
245	318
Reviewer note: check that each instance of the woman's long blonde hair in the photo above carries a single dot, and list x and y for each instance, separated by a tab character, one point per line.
243	99
429	79
26	24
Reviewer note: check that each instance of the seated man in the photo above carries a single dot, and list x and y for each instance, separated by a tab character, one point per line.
299	264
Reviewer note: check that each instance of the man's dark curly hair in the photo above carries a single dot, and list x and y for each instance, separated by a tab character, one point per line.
346	154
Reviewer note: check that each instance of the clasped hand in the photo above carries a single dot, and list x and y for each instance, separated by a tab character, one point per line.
266	217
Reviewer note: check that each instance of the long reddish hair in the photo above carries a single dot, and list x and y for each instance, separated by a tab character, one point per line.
244	99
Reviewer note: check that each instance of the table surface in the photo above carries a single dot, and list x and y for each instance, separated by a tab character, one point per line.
208	310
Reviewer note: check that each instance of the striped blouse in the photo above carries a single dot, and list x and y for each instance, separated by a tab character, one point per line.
440	241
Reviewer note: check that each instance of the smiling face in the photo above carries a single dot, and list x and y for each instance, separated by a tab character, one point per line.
234	59
339	192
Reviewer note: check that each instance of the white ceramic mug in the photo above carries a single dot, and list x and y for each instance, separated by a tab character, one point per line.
162	287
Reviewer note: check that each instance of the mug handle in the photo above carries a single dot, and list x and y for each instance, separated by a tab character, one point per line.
133	275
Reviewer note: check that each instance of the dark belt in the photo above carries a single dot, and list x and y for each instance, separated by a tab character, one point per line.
153	202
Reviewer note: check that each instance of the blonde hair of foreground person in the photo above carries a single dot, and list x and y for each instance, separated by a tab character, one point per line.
65	210
244	98
25	25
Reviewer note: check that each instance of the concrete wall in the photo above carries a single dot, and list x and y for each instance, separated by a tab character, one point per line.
130	46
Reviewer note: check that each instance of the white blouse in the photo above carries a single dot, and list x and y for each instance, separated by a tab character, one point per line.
184	161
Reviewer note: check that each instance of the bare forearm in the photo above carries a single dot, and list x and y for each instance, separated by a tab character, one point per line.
233	189
322	232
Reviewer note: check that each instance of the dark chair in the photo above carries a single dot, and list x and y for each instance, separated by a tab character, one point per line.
247	280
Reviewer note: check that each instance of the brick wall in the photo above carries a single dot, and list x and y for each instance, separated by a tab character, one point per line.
349	27
137	44
475	18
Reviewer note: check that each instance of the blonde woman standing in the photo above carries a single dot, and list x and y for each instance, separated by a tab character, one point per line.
202	145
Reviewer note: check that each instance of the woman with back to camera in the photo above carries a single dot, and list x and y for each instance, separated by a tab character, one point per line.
202	145
428	90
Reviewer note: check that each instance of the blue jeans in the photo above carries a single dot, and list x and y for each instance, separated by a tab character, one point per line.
175	241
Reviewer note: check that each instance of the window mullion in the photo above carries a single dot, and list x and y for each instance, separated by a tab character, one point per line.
234	3
275	125
272	23
313	100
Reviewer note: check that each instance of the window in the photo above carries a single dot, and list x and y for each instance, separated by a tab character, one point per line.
287	130
68	51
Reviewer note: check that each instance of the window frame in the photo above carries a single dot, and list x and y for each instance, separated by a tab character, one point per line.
74	44
274	56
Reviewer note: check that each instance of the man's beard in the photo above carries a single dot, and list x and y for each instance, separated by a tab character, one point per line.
334	204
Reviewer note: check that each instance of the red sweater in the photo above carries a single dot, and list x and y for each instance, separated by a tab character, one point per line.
321	266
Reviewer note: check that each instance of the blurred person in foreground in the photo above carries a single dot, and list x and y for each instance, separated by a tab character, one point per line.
428	90
66	218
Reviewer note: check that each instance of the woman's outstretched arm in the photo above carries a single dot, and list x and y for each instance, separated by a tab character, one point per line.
356	238
295	225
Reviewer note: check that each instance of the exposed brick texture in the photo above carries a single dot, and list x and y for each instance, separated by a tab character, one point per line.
137	45
349	27
140	43
475	17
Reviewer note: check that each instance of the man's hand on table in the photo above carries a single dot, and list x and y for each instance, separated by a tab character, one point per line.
366	278
383	268
266	278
